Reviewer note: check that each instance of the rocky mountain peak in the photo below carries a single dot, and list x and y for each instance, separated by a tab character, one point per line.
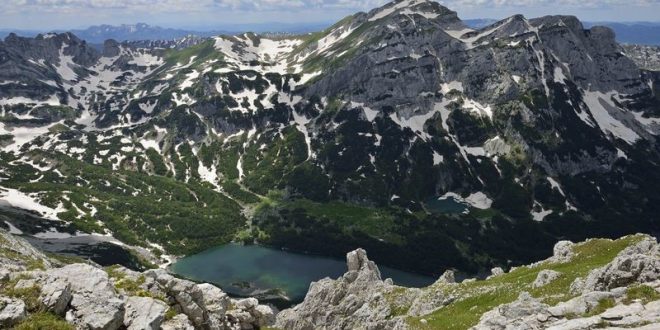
360	267
52	46
427	9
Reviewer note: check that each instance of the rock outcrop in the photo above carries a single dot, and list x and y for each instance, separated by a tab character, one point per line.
107	299
545	277
636	264
11	311
359	293
144	313
360	299
602	302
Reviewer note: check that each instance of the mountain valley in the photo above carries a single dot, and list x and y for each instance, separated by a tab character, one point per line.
540	130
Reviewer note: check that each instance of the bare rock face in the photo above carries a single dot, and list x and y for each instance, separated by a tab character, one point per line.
355	300
248	314
639	263
144	313
581	304
496	271
360	299
94	303
448	277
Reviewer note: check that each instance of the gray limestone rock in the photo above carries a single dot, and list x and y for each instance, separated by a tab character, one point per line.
545	277
12	311
143	313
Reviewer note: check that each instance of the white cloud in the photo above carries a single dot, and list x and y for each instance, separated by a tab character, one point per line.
172	5
266	5
46	14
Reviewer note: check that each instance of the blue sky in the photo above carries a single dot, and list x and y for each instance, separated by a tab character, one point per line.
209	14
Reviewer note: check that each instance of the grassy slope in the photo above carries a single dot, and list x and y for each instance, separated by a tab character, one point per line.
482	296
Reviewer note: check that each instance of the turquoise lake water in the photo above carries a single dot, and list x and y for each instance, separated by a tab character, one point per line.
272	275
446	206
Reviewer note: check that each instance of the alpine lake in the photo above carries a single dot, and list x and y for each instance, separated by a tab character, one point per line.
273	276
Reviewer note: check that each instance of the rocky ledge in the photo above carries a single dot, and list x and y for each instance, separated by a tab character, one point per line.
595	284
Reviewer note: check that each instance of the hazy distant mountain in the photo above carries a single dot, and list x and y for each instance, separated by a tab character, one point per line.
144	32
133	32
647	33
479	23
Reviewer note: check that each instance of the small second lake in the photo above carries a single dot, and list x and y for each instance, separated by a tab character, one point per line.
272	275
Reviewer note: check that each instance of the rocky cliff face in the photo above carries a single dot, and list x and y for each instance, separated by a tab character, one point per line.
536	127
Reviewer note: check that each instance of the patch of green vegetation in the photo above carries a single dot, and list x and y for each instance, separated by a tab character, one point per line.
371	221
398	306
67	259
481	296
29	295
237	192
250	235
644	293
130	287
29	262
170	314
202	52
267	168
44	321
58	128
156	160
138	208
602	306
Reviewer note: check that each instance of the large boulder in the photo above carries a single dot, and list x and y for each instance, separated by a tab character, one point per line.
544	278
56	294
143	313
95	304
563	252
523	313
12	311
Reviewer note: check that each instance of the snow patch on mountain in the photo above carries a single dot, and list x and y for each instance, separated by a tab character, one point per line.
21	200
604	112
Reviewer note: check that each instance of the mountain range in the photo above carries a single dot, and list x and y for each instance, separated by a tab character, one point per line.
98	34
402	130
643	33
